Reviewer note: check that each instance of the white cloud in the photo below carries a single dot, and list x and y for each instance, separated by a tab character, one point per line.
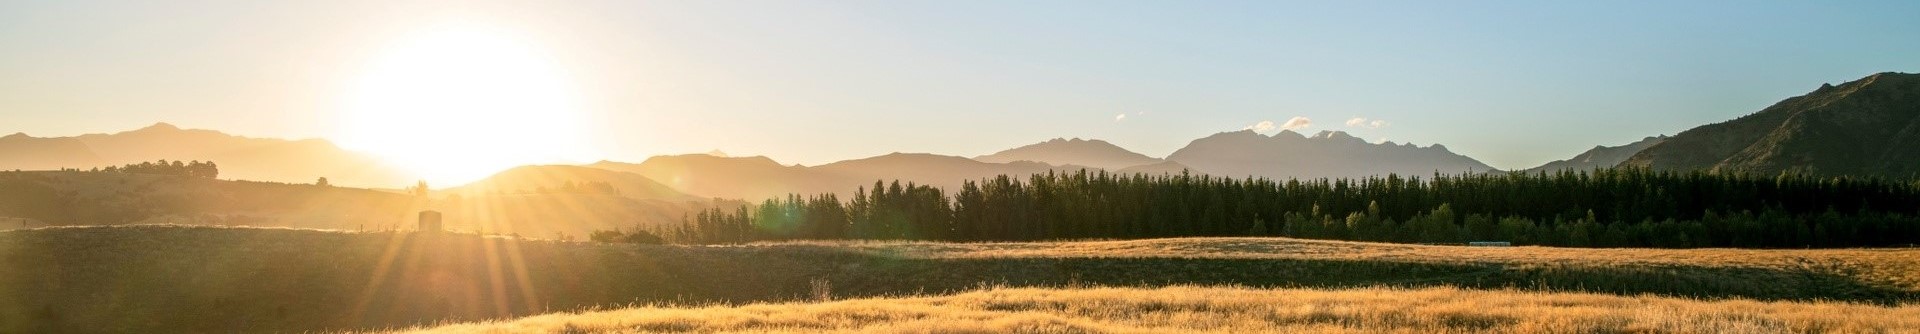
1363	122
1263	126
1294	123
1120	117
1297	123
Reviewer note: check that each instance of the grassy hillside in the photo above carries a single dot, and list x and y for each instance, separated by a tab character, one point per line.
758	178
203	279
1186	309
100	198
574	215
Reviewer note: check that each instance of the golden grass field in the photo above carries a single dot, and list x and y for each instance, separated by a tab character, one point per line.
161	278
1189	309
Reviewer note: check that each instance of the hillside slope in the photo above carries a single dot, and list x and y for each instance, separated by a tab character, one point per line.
199	279
1867	127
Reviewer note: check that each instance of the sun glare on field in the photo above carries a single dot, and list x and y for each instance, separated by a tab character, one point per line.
457	103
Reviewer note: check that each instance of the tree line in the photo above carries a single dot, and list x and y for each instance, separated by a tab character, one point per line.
1600	208
196	168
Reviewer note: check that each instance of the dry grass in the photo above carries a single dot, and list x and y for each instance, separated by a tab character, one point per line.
1187	309
199	279
1898	268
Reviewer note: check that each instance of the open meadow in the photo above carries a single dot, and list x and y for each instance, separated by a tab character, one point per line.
162	278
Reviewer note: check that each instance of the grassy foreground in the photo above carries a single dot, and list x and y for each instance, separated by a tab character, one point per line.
1186	309
203	279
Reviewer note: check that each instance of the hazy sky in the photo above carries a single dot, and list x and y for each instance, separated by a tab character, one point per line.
1514	84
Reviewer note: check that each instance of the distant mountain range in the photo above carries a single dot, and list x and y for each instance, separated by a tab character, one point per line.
756	178
1082	152
1328	154
1867	127
242	158
1234	154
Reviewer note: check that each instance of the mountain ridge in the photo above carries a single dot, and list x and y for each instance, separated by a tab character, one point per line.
239	157
1600	156
1094	153
1865	127
1334	154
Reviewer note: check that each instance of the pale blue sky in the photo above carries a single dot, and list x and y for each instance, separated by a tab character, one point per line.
1514	84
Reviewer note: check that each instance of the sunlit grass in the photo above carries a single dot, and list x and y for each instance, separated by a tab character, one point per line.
1189	309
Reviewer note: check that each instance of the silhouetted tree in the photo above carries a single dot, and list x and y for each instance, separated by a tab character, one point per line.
1606	207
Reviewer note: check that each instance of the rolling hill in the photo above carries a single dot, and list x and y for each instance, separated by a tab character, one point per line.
1867	127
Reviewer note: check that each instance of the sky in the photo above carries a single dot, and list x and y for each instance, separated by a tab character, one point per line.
1512	83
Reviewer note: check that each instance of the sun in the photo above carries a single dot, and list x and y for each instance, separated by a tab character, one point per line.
457	103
